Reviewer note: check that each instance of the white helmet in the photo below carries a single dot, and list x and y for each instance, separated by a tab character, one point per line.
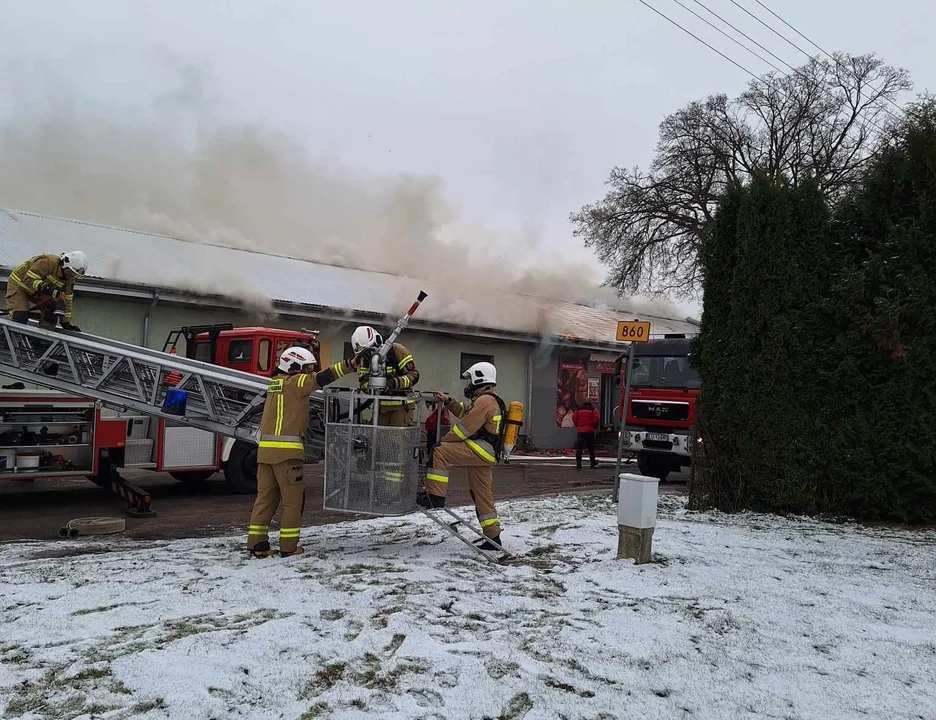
482	373
365	337
295	359
76	260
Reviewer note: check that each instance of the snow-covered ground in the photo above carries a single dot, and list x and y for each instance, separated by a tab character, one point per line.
741	616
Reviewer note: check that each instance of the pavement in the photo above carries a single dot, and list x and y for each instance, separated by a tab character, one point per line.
36	510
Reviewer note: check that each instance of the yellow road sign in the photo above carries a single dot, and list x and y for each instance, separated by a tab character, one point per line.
633	331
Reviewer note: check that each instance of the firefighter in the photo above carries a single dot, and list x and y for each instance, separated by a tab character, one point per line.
475	442
45	283
402	375
281	455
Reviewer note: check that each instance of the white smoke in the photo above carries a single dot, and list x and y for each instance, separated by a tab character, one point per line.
253	188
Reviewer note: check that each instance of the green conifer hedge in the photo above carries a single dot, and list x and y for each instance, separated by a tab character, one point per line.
817	350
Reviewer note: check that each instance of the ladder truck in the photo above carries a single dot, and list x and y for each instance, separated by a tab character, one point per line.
109	405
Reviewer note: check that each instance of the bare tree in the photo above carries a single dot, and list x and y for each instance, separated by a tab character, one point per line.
821	120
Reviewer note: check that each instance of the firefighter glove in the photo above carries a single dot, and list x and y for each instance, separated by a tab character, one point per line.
46	290
69	326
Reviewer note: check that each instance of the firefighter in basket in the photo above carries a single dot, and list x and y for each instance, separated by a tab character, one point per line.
475	442
45	283
281	455
402	375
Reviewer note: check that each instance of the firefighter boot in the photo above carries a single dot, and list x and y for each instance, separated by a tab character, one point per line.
297	551
489	545
430	502
261	549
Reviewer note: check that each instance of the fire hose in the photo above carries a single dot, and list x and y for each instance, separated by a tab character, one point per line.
92	526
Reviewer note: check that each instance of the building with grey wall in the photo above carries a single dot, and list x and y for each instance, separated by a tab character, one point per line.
140	286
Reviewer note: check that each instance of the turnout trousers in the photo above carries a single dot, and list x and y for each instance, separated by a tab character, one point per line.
18	302
279	485
480	481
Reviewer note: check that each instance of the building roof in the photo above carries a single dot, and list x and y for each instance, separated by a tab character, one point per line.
132	258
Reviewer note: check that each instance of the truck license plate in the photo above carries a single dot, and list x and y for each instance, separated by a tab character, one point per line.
658	437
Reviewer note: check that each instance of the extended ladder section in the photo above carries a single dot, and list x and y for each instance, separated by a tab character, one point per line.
124	376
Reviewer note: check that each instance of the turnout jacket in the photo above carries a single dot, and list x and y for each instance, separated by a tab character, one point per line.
479	424
30	275
286	413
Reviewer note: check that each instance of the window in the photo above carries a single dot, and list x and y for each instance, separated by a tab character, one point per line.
469	359
240	352
203	352
263	357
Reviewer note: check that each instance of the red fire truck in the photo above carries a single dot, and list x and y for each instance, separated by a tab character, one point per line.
663	397
47	434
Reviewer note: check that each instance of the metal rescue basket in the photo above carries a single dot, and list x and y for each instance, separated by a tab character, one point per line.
369	468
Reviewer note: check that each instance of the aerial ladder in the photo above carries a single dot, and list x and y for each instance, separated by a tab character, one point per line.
126	377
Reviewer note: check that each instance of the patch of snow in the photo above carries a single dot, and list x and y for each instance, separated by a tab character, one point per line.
738	616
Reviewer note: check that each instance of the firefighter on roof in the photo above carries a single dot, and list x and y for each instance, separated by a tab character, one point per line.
402	375
45	283
281	454
475	442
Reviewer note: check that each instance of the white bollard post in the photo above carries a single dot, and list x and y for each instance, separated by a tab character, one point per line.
637	511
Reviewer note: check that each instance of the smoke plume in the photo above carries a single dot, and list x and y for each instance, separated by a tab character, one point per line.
253	188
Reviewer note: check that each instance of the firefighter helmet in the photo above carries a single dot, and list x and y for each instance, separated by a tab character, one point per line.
365	337
75	260
296	359
482	373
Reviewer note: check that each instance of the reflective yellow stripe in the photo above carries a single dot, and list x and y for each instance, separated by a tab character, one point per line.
290	532
301	381
275	386
489	522
404	383
437	477
497	421
33	274
257	529
339	369
457	429
279	414
394	477
407	359
282	445
55	282
480	451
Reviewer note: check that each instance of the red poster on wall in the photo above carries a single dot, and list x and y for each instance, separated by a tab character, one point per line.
571	392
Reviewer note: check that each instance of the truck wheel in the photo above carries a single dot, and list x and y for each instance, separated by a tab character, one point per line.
241	468
653	465
193	479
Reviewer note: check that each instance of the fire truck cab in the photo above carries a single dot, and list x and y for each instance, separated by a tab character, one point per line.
663	397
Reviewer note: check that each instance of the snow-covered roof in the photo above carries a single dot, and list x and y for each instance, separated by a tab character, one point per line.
139	258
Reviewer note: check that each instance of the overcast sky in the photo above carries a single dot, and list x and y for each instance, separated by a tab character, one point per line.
520	106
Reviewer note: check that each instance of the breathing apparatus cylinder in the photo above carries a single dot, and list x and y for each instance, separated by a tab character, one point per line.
514	421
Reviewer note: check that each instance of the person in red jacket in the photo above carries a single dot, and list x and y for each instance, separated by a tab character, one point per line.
586	420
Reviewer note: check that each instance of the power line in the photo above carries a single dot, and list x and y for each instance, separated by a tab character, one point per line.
732	61
734	40
794	70
691	34
820	49
741	32
779	35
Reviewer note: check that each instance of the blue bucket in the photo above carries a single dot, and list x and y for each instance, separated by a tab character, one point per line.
174	404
